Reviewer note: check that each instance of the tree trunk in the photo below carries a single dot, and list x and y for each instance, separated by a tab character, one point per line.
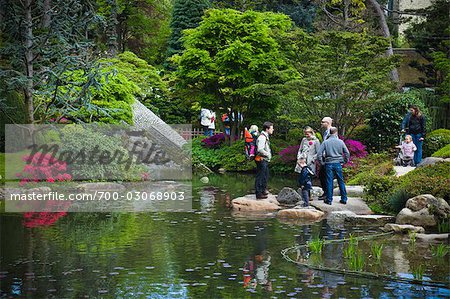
112	29
28	40
386	34
46	18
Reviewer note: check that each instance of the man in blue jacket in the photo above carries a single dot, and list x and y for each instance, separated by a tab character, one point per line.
333	153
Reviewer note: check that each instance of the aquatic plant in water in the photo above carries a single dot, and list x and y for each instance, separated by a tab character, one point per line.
418	272
316	245
412	239
377	250
357	261
439	250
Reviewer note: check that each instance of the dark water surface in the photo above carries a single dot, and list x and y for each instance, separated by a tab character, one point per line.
207	253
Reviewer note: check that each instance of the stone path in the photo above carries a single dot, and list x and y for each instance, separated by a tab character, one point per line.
400	170
354	204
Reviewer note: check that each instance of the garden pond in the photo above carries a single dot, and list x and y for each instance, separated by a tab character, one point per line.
208	253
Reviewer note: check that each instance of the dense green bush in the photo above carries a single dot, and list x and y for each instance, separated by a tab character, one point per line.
432	179
295	135
385	120
436	140
373	164
231	158
78	138
443	152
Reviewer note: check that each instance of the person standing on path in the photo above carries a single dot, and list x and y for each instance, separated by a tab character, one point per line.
205	121
309	146
326	124
333	152
262	159
414	124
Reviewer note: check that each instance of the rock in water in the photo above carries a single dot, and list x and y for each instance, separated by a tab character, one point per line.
302	213
404	229
249	203
204	180
288	196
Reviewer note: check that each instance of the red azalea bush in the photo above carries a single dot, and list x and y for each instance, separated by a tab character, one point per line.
289	154
42	167
357	150
214	141
36	219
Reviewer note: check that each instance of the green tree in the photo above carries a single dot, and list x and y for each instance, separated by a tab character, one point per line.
234	60
344	75
40	43
186	14
430	36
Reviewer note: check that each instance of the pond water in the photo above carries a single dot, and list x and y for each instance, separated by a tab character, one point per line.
206	253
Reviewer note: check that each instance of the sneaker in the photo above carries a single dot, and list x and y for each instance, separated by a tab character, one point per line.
327	202
322	197
343	202
266	192
262	196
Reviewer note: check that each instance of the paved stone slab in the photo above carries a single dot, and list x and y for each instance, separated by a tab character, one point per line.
350	217
352	191
301	213
354	204
400	170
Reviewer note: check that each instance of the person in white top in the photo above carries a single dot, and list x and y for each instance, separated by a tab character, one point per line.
205	120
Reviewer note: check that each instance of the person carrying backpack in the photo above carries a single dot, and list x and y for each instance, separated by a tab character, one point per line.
263	156
250	142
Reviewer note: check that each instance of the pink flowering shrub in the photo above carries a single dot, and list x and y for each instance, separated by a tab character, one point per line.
36	219
41	167
357	150
214	141
289	154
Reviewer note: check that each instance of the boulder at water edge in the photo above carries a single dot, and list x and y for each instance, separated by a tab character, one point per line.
288	196
100	186
301	213
403	229
423	210
249	203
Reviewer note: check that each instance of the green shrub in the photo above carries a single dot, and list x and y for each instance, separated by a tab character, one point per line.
373	164
397	200
385	120
435	141
295	135
443	152
78	138
432	179
231	158
378	188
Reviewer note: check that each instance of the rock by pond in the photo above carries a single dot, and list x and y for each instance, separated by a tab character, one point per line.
101	186
301	213
403	228
423	210
288	196
355	219
354	204
249	203
352	191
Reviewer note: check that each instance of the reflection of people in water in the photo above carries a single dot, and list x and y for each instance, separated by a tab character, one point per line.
256	268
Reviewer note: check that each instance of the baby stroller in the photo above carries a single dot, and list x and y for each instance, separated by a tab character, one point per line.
402	160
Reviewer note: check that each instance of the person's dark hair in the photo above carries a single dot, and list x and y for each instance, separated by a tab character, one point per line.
267	125
416	109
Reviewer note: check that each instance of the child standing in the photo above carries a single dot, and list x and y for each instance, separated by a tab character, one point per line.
305	181
407	151
250	141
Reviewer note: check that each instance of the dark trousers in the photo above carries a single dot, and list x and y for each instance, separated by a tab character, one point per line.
331	170
305	197
262	177
323	179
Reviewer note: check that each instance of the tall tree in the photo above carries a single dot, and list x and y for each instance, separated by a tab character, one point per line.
186	14
234	60
344	74
41	40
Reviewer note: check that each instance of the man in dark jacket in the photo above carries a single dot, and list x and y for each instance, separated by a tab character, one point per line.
326	123
333	153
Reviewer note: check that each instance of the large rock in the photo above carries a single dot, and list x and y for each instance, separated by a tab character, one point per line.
436	206
403	229
430	161
422	217
352	191
432	237
354	219
354	204
301	213
101	186
288	196
249	203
